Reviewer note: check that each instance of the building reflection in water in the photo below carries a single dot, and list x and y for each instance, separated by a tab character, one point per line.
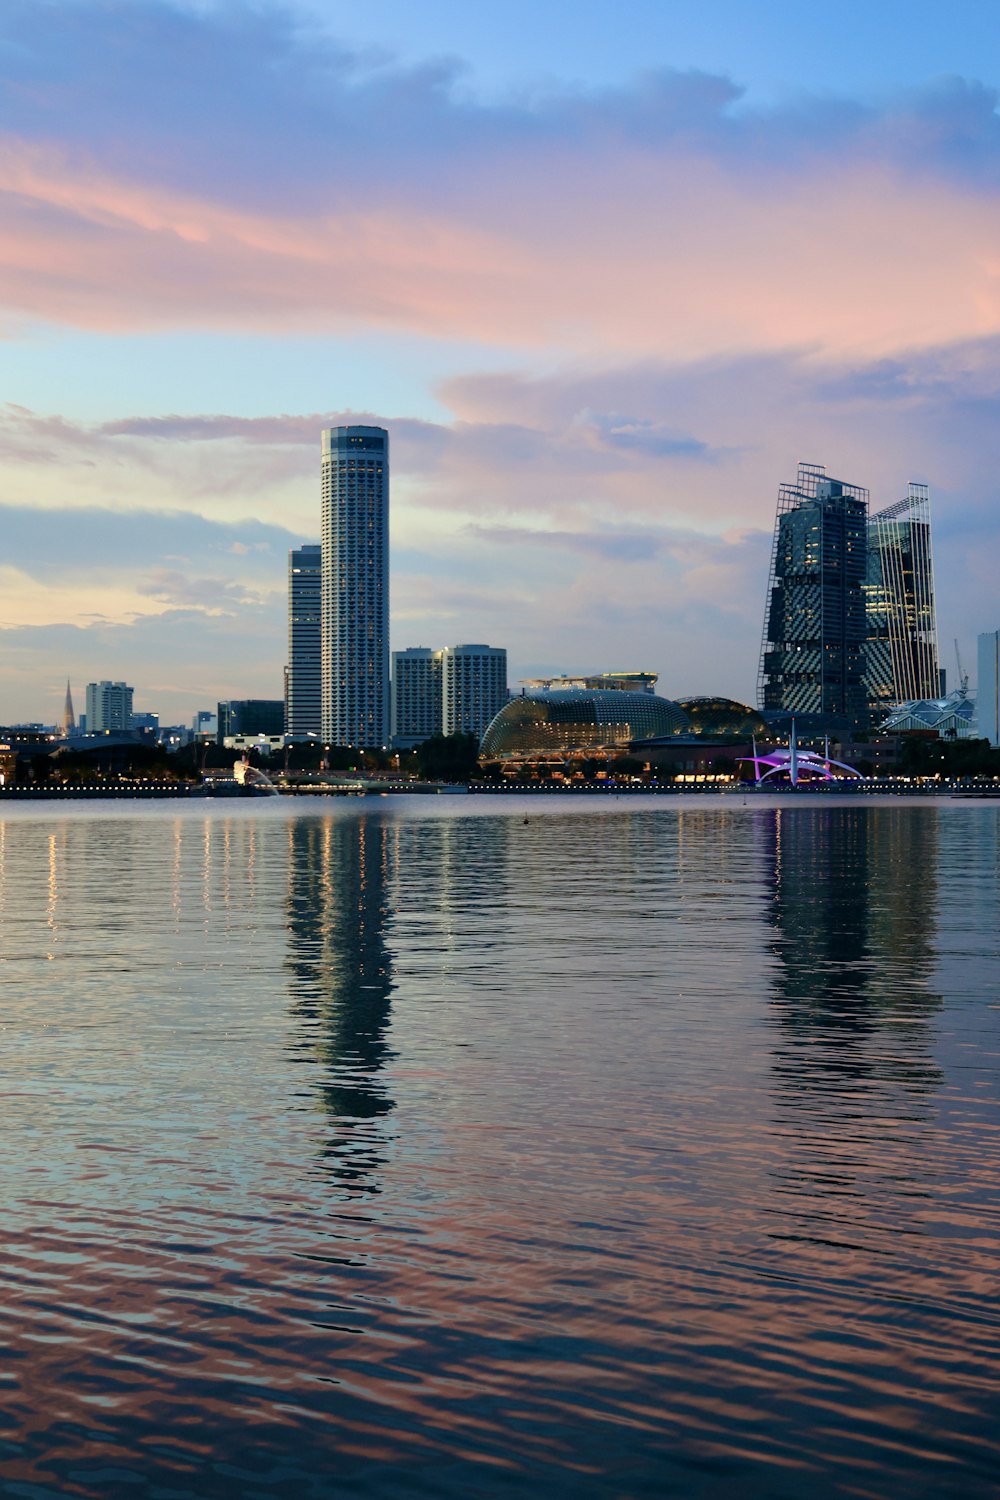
338	914
852	904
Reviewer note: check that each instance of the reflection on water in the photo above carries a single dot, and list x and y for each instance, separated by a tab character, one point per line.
338	914
854	911
463	1148
853	907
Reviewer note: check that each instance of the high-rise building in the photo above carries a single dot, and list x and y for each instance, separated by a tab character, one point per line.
416	697
473	687
249	716
355	586
902	625
988	687
205	723
304	684
109	707
812	657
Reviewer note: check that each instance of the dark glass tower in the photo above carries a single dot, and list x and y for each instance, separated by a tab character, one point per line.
813	650
355	586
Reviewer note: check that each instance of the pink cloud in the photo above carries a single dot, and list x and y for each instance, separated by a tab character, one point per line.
621	249
82	246
273	181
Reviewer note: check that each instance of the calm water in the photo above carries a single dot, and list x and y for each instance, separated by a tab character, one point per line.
647	1148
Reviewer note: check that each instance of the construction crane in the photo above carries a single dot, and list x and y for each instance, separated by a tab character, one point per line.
963	677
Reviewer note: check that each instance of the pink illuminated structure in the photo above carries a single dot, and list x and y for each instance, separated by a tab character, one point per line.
795	764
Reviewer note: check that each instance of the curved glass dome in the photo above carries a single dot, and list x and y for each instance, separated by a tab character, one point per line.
717	717
578	721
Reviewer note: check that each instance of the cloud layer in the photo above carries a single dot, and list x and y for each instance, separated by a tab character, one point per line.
230	167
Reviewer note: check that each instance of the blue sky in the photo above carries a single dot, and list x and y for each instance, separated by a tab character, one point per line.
774	50
607	274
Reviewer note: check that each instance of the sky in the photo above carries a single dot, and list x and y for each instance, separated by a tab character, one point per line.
607	275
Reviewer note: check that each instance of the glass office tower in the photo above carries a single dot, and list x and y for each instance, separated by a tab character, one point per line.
813	653
903	661
355	586
988	687
304	693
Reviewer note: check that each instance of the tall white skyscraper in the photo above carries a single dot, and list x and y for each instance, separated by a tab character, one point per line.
473	687
304	693
355	586
416	696
109	707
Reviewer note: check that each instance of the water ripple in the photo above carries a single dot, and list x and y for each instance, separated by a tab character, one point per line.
646	1148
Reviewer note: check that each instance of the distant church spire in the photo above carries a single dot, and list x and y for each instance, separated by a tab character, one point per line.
69	718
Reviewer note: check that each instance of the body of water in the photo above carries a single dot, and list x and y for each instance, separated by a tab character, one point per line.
474	1147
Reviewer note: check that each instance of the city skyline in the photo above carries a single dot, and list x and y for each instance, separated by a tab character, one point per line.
389	221
850	629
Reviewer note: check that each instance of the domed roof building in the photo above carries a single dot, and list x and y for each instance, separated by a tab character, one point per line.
722	717
578	721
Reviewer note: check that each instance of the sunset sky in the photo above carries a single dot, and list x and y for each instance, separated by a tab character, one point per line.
607	273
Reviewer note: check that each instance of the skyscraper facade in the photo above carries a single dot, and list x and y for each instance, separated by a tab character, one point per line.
109	707
988	687
355	586
417	708
204	723
473	687
249	716
813	650
304	690
903	661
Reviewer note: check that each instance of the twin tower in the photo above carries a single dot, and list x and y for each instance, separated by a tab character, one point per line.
338	598
850	623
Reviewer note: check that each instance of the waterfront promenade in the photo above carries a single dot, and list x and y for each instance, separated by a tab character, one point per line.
375	787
